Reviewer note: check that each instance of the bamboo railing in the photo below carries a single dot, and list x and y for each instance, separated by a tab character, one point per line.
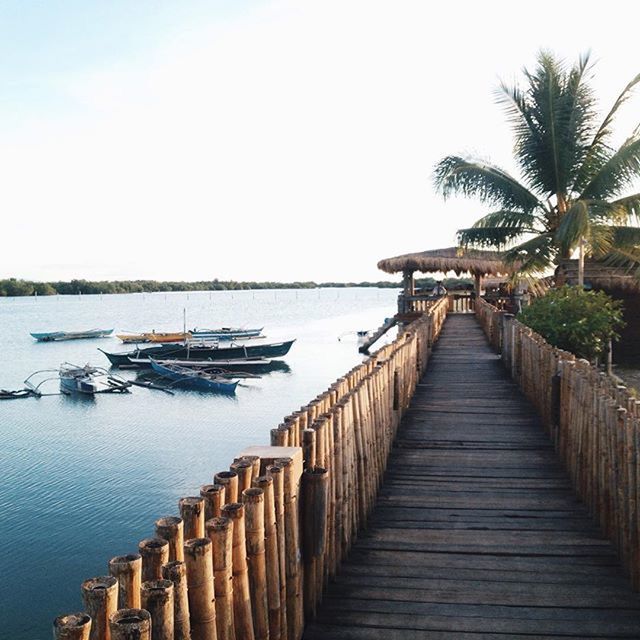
593	422
248	558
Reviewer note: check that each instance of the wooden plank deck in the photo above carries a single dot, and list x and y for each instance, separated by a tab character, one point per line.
476	534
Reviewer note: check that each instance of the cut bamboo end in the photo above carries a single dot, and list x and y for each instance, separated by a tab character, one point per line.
220	532
244	469
176	571
230	481
127	570
157	599
171	528
73	626
155	553
130	624
214	496
256	463
100	597
192	513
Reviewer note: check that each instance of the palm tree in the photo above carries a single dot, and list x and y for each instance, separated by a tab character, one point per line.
573	179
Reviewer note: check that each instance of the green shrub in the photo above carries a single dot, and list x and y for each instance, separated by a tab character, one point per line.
579	321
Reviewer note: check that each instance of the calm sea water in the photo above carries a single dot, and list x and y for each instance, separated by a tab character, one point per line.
84	479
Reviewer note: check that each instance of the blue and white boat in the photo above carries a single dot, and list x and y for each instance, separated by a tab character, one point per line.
89	380
55	336
199	379
228	333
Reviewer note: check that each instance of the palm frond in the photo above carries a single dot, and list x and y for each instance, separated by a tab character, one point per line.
488	237
573	226
534	255
629	204
456	175
524	222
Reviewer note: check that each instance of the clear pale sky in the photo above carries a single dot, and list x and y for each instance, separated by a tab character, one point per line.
267	140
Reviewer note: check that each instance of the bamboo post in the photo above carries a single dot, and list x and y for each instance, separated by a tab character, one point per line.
130	624
244	469
220	532
256	463
155	553
128	572
176	571
272	561
309	447
214	495
100	598
73	626
192	512
242	614
315	491
171	529
295	612
276	474
199	563
253	500
279	438
157	599
229	479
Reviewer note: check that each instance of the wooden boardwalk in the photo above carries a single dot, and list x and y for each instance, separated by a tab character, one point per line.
476	533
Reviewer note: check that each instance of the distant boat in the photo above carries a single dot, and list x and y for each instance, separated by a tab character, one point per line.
152	336
225	332
89	380
194	378
200	352
55	336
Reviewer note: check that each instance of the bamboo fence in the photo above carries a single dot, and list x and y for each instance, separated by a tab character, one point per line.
249	557
593	421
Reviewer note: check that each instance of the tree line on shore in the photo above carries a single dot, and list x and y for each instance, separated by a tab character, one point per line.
17	287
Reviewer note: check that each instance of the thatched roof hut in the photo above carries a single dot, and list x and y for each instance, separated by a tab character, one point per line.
598	276
456	259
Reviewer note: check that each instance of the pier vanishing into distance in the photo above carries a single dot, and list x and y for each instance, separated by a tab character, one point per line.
466	481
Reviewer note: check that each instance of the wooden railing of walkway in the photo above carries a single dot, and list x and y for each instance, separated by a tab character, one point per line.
593	421
248	557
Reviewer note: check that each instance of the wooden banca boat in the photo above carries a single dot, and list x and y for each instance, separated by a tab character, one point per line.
152	336
89	380
225	333
56	336
199	379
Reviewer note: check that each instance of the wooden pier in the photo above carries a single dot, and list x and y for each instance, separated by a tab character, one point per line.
477	532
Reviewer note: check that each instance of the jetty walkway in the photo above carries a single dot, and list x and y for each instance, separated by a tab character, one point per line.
477	532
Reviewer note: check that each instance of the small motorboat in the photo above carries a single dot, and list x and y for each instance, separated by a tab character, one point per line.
89	380
56	336
199	379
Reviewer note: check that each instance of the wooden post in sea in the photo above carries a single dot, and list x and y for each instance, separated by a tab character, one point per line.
157	599
229	479
255	462
192	512
243	618
244	469
199	563
100	598
73	626
272	561
220	532
155	553
214	496
276	474
171	529
176	571
130	624
128	572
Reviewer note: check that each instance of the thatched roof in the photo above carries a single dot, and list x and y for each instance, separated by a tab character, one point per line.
451	259
599	276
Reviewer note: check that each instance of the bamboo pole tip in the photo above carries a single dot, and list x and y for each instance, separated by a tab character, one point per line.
156	589
210	489
263	481
218	524
283	462
100	586
197	547
225	475
253	495
168	522
70	621
131	620
192	502
173	570
153	545
274	469
125	562
233	510
315	471
242	463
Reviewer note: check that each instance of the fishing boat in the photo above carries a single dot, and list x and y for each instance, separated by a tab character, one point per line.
202	351
152	336
194	378
55	336
89	380
225	333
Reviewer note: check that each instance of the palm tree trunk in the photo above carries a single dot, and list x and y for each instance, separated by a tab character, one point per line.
581	264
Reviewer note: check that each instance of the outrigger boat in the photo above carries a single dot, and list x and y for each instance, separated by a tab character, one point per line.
224	333
203	351
89	380
55	336
129	338
194	378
